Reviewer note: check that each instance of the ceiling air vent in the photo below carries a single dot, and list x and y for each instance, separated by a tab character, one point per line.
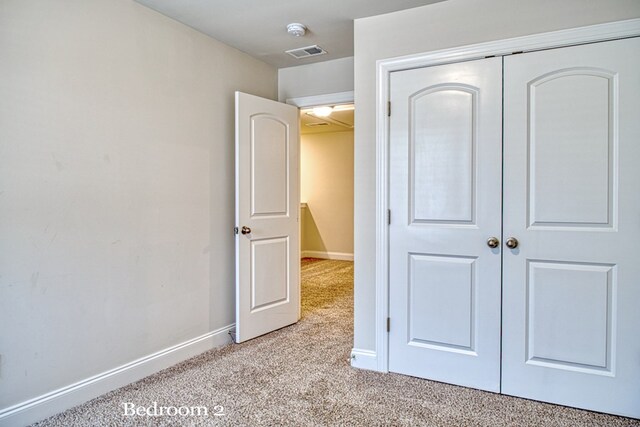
313	125
305	52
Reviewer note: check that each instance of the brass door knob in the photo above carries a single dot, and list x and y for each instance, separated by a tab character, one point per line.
511	243
493	242
245	230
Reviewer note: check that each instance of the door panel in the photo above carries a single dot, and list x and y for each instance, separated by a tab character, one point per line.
441	312
267	200
269	273
571	173
579	338
570	124
269	166
445	198
441	152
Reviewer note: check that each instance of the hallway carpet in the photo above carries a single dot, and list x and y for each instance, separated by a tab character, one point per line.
300	376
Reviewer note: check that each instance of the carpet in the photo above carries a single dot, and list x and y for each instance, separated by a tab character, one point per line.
300	376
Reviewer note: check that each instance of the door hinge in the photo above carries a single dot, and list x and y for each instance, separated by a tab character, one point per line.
388	324
388	108
235	230
389	216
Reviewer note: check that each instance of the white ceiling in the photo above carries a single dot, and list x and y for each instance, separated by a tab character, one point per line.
258	27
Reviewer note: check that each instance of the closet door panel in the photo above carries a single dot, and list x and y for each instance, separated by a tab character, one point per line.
445	201
571	147
571	172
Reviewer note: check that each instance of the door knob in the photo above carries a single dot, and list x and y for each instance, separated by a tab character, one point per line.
245	230
493	242
511	243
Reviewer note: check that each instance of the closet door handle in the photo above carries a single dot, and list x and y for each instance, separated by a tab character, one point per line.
511	243
245	230
493	242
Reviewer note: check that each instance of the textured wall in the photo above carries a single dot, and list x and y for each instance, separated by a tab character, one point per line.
116	187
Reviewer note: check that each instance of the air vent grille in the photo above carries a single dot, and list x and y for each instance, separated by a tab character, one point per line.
305	52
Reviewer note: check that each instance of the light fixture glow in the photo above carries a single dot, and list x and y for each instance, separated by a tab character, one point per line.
322	111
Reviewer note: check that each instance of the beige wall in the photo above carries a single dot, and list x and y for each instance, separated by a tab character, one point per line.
437	26
116	187
326	170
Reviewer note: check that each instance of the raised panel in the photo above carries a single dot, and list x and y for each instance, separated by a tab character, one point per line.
572	141
441	301
442	124
269	273
570	313
269	166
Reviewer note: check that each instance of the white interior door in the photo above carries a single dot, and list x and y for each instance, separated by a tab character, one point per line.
445	201
267	212
571	321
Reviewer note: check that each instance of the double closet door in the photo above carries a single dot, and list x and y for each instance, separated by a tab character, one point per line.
515	241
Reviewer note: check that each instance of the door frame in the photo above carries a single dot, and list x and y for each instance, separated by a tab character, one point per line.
379	360
324	99
309	102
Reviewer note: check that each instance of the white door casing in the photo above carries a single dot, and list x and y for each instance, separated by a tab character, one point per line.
445	201
267	214
571	323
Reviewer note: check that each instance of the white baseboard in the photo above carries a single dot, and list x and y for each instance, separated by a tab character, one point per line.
342	256
54	402
364	359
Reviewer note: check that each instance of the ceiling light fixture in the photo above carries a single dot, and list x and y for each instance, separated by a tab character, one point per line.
322	111
296	29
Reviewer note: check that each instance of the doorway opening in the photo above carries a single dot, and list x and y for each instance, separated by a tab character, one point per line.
326	182
326	196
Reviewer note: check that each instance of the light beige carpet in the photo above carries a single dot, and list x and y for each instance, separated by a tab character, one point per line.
300	376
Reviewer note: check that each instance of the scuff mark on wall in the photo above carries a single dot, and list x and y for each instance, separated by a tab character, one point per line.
34	279
58	164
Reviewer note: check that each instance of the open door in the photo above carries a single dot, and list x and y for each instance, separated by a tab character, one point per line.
267	212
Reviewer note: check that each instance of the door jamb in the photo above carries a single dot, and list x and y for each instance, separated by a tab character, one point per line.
324	99
384	68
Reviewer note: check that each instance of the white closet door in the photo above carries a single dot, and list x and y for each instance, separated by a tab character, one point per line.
445	200
571	290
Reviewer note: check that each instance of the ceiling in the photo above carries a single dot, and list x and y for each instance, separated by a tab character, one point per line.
258	27
338	121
